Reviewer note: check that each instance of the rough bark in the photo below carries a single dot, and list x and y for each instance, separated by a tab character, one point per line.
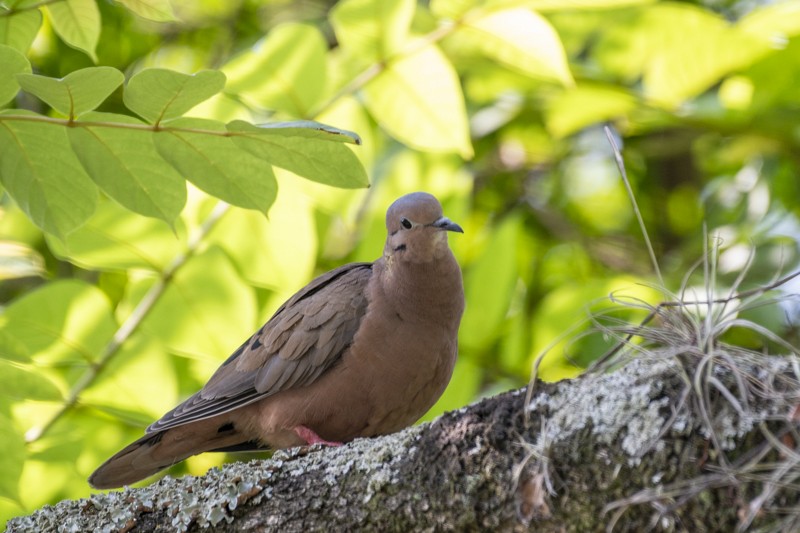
581	455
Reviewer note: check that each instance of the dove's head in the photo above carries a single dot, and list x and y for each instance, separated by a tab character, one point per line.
417	229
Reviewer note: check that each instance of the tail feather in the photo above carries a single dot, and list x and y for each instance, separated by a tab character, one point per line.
157	451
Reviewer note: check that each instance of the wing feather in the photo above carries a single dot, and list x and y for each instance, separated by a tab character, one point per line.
304	338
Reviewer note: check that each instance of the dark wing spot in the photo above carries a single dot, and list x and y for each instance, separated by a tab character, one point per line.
249	446
225	427
256	344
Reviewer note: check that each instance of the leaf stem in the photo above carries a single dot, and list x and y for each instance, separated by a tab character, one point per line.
632	197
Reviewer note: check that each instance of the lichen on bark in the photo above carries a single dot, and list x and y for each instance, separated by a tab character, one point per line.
582	454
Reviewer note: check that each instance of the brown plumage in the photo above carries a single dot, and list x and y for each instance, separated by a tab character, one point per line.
363	350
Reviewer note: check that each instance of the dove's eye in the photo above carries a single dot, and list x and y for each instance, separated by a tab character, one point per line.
405	223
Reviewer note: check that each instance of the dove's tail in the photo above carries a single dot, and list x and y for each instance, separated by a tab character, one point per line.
162	449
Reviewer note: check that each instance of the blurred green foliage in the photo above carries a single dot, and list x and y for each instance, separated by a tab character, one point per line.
110	316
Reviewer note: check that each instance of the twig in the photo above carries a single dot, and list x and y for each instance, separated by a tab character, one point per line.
621	166
135	319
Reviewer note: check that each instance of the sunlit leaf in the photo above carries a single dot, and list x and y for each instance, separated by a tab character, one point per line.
488	287
773	22
569	5
696	63
585	105
77	22
349	113
126	165
11	348
566	309
19	30
418	100
18	260
12	458
117	239
206	311
65	321
452	9
42	174
294	55
455	9
156	10
285	259
216	165
158	94
373	29
76	93
309	150
523	40
11	63
140	379
21	383
680	50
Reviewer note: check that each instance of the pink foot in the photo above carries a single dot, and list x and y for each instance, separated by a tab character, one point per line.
308	435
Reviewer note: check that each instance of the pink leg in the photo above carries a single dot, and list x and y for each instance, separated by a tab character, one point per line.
308	435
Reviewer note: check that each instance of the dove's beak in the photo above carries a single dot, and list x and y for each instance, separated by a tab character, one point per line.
447	225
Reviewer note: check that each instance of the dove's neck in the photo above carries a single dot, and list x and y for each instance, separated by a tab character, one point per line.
432	290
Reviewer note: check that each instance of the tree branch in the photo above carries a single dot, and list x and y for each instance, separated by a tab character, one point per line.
580	456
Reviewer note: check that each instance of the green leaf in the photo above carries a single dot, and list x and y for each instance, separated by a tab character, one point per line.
158	94
452	9
315	153
62	322
310	129
585	105
11	63
206	311
19	30
523	40
291	226
700	54
117	239
20	383
418	100
455	9
568	305
216	165
295	56
41	173
77	22
679	50
127	166
11	349
140	379
374	29
572	5
780	20
156	10
12	458
489	284
77	93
